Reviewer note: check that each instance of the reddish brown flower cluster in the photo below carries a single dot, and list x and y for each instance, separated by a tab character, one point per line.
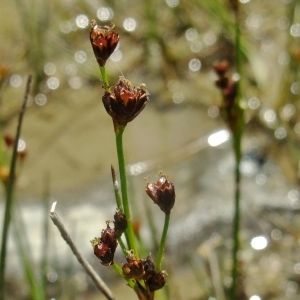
125	102
106	245
162	193
104	41
144	269
228	86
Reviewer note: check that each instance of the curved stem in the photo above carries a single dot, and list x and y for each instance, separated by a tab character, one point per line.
162	242
129	233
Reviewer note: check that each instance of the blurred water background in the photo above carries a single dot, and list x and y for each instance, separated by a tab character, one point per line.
171	46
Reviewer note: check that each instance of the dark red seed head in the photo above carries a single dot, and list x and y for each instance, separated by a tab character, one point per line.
125	102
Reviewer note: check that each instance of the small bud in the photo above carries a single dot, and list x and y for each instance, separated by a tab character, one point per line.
125	102
120	223
156	281
104	41
162	193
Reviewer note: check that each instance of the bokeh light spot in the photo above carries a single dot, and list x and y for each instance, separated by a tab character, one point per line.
15	80
191	34
280	133
130	24
195	64
40	99
80	56
178	97
213	111
295	30
116	55
82	21
172	3
52	83
49	69
254	103
105	13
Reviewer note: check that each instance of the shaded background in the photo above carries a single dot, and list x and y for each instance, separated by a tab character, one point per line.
171	46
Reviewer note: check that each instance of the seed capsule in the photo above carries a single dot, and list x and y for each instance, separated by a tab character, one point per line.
162	193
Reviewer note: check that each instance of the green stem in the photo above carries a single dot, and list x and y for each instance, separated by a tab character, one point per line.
9	187
104	79
162	242
129	233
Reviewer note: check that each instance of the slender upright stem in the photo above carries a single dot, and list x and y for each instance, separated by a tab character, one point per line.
237	146
104	79
236	219
9	187
162	242
129	233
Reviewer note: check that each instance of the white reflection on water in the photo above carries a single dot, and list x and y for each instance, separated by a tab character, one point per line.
259	243
218	138
21	145
137	168
254	297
